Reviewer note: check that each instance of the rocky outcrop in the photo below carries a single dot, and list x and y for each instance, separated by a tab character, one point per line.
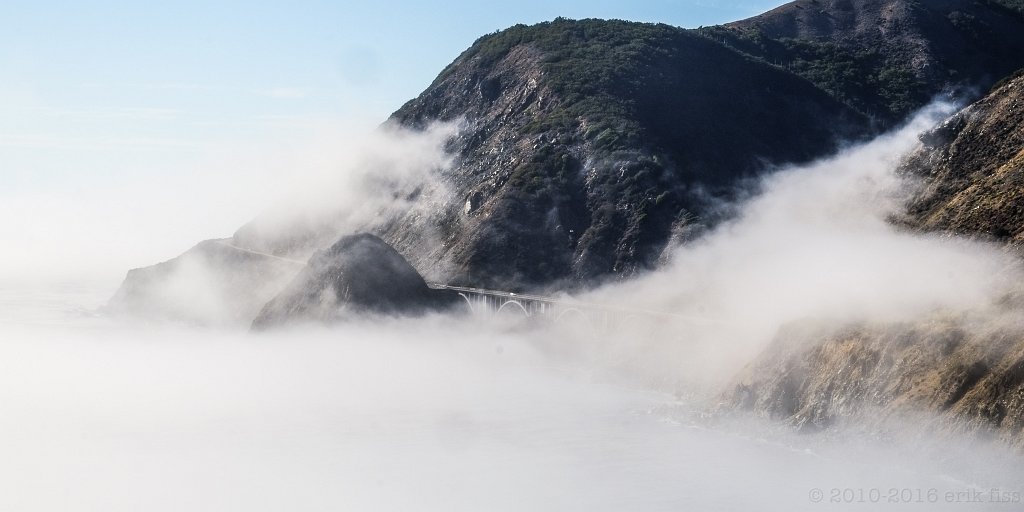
212	283
958	373
972	169
358	275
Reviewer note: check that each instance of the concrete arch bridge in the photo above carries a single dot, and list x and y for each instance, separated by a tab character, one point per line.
556	309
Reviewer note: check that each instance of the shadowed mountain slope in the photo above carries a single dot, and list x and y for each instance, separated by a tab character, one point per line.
590	144
886	57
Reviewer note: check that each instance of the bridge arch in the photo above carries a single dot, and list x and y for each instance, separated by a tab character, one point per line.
469	302
570	312
525	311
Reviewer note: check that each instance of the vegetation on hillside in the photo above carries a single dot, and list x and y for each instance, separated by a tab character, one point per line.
596	142
624	77
594	66
861	77
1017	5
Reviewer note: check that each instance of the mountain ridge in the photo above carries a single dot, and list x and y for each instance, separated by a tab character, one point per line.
615	175
885	57
591	147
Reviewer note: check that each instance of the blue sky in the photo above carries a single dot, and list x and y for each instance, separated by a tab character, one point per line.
136	97
93	77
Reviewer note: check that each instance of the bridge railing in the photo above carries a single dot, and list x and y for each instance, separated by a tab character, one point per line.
531	305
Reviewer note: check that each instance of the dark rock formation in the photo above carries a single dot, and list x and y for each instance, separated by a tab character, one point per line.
359	274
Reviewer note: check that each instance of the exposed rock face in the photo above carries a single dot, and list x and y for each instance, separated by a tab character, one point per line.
359	274
973	169
590	144
967	373
967	370
214	282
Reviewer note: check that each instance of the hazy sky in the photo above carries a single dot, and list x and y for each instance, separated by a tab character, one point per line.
90	78
103	96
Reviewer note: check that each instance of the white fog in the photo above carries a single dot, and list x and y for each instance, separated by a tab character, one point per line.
468	412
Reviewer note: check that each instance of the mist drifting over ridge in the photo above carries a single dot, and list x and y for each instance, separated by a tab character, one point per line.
424	414
819	242
392	414
798	348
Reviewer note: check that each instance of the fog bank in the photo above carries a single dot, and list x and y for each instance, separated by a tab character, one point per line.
469	413
813	242
433	414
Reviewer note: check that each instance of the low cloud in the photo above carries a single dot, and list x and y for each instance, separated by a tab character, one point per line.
324	172
815	241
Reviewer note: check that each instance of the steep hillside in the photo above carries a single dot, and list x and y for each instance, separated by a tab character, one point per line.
965	373
593	144
973	169
590	143
885	57
1017	5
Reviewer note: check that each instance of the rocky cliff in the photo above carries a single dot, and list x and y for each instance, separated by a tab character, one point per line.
956	373
973	169
590	144
358	275
963	370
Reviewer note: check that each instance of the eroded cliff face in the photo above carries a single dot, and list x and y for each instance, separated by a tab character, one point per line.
972	168
963	372
959	373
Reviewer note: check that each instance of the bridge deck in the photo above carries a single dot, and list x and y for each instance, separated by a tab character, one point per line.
521	298
558	301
